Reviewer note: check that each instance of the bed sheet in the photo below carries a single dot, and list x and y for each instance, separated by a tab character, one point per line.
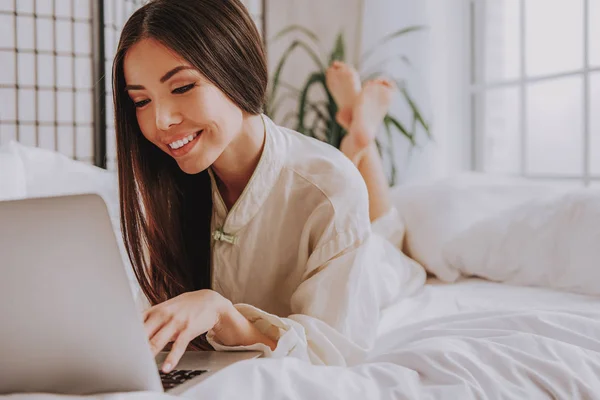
440	299
469	340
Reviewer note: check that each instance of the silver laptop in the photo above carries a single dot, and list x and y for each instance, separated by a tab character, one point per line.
68	321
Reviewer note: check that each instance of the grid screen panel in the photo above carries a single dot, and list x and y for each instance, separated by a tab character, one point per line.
46	85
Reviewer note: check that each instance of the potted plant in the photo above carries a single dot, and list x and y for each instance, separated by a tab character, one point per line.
315	117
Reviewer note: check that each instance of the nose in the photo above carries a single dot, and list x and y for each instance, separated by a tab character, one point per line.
167	116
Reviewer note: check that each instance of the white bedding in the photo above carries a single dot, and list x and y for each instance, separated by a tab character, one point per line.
472	339
469	340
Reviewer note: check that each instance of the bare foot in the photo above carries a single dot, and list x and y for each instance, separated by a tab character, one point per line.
367	114
343	83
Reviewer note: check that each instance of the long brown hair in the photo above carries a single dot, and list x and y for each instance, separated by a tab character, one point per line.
166	213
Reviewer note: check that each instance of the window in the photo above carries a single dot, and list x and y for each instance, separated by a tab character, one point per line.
535	83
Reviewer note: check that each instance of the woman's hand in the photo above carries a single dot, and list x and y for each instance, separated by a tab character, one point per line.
181	319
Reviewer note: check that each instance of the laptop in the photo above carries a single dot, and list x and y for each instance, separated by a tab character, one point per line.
68	320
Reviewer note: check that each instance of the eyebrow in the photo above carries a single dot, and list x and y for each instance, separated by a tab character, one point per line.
164	78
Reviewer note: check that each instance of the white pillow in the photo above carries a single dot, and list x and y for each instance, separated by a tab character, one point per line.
12	173
436	212
553	243
49	173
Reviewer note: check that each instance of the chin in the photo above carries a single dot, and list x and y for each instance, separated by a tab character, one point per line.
192	167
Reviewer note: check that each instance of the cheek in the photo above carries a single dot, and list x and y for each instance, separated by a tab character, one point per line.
146	123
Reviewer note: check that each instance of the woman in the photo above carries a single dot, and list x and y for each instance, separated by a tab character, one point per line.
249	232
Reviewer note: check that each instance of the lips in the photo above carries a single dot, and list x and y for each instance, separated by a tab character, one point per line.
182	146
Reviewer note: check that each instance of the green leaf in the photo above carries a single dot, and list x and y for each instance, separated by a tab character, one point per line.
290	87
392	154
389	37
272	112
294	28
339	50
389	120
317	111
320	117
416	111
315	77
383	63
277	75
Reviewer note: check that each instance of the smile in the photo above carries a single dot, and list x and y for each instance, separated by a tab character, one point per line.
182	142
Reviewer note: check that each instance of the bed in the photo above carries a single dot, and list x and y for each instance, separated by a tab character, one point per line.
530	330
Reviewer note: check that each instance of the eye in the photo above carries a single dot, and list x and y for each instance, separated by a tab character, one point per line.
183	89
142	103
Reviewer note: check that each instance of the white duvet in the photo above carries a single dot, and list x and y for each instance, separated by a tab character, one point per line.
468	340
472	339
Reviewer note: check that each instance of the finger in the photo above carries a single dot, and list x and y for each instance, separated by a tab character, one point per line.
176	353
154	322
146	313
162	337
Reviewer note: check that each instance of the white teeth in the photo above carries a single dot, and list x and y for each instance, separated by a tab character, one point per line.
182	142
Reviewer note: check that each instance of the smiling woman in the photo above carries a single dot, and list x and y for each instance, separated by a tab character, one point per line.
251	233
171	118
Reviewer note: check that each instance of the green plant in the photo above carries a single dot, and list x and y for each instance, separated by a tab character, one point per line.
316	118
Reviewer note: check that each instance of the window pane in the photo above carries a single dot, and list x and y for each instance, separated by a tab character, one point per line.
6	5
65	106
82	9
63	8
25	6
46	137
25	32
7	31
27	105
26	69
65	71
63	36
594	32
553	36
595	123
554	127
8	132
499	28
83	38
45	34
44	7
85	144
65	140
46	106
500	119
45	67
83	105
7	61
8	110
83	72
27	135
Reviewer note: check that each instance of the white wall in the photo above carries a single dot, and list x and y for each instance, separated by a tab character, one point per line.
437	78
324	19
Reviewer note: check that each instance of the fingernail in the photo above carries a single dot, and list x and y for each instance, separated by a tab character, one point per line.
167	367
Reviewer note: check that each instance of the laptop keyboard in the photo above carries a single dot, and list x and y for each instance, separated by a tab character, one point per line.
177	377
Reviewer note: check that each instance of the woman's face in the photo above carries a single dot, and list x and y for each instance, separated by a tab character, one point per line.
177	108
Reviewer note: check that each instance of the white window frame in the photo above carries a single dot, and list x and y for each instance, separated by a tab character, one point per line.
476	88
